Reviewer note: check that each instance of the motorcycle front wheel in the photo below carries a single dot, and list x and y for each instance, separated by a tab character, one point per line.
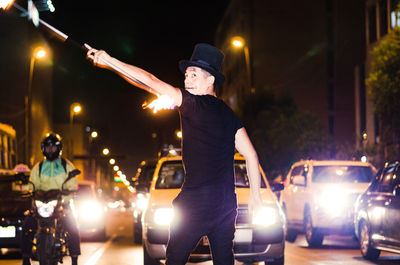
45	247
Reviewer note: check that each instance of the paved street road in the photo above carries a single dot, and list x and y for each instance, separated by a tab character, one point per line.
119	250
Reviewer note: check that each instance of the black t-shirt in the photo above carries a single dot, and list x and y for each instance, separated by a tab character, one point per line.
208	144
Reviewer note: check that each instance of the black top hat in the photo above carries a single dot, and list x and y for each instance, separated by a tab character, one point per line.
208	58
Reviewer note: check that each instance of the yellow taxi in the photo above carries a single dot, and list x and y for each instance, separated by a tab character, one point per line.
259	236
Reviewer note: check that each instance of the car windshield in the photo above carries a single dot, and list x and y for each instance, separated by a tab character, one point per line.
346	174
171	175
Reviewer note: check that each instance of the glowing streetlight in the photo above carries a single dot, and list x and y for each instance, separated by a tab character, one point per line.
179	134
74	110
111	161
94	134
239	42
38	53
106	151
116	168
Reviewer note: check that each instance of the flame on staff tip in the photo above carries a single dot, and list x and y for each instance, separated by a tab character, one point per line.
4	4
160	103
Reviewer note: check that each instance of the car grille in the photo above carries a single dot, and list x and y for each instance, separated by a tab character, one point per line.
242	215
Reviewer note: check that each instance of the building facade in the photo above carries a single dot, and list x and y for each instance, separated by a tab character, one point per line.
308	49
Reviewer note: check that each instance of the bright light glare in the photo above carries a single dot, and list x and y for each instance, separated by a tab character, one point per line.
237	43
111	161
179	134
339	172
364	159
142	202
265	216
46	209
378	213
116	168
4	4
40	53
77	108
106	151
94	134
160	103
90	211
114	205
172	152
333	201
163	216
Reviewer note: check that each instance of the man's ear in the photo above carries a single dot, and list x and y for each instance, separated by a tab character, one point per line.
211	80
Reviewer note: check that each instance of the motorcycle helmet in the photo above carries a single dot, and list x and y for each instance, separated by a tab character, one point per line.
51	139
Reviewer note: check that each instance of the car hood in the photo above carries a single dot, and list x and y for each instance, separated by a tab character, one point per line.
243	195
164	197
14	206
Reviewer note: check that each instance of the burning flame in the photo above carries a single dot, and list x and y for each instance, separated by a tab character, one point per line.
5	3
160	103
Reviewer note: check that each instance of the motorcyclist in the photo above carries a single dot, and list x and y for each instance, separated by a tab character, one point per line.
46	175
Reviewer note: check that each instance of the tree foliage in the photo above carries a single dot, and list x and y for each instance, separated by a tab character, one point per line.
384	83
280	134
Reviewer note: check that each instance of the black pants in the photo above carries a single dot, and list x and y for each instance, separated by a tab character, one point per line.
208	211
29	229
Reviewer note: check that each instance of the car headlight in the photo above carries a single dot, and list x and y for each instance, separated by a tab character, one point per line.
163	216
45	209
265	216
142	201
333	201
90	211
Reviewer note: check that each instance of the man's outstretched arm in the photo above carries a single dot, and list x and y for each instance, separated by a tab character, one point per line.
134	75
245	147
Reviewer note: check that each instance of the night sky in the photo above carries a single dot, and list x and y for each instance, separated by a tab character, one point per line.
153	35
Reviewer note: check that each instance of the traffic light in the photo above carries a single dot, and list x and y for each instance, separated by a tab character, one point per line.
117	178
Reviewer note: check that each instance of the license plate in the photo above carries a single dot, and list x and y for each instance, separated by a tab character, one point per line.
7	231
243	236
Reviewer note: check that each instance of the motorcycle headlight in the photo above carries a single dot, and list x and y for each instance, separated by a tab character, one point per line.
90	211
45	209
163	216
265	216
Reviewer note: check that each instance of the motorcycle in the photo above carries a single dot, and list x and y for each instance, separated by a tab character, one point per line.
50	241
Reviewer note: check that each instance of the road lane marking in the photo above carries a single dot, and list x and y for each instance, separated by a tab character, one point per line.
96	256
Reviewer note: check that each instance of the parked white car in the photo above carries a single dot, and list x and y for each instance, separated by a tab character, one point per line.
319	197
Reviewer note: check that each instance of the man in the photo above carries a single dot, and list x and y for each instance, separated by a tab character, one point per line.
211	131
46	175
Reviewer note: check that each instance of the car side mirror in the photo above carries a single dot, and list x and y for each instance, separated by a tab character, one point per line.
299	180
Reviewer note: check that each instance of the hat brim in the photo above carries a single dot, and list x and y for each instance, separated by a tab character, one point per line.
219	78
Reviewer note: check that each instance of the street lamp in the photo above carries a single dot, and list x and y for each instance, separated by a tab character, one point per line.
106	151
239	42
38	53
179	134
94	134
74	110
111	161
